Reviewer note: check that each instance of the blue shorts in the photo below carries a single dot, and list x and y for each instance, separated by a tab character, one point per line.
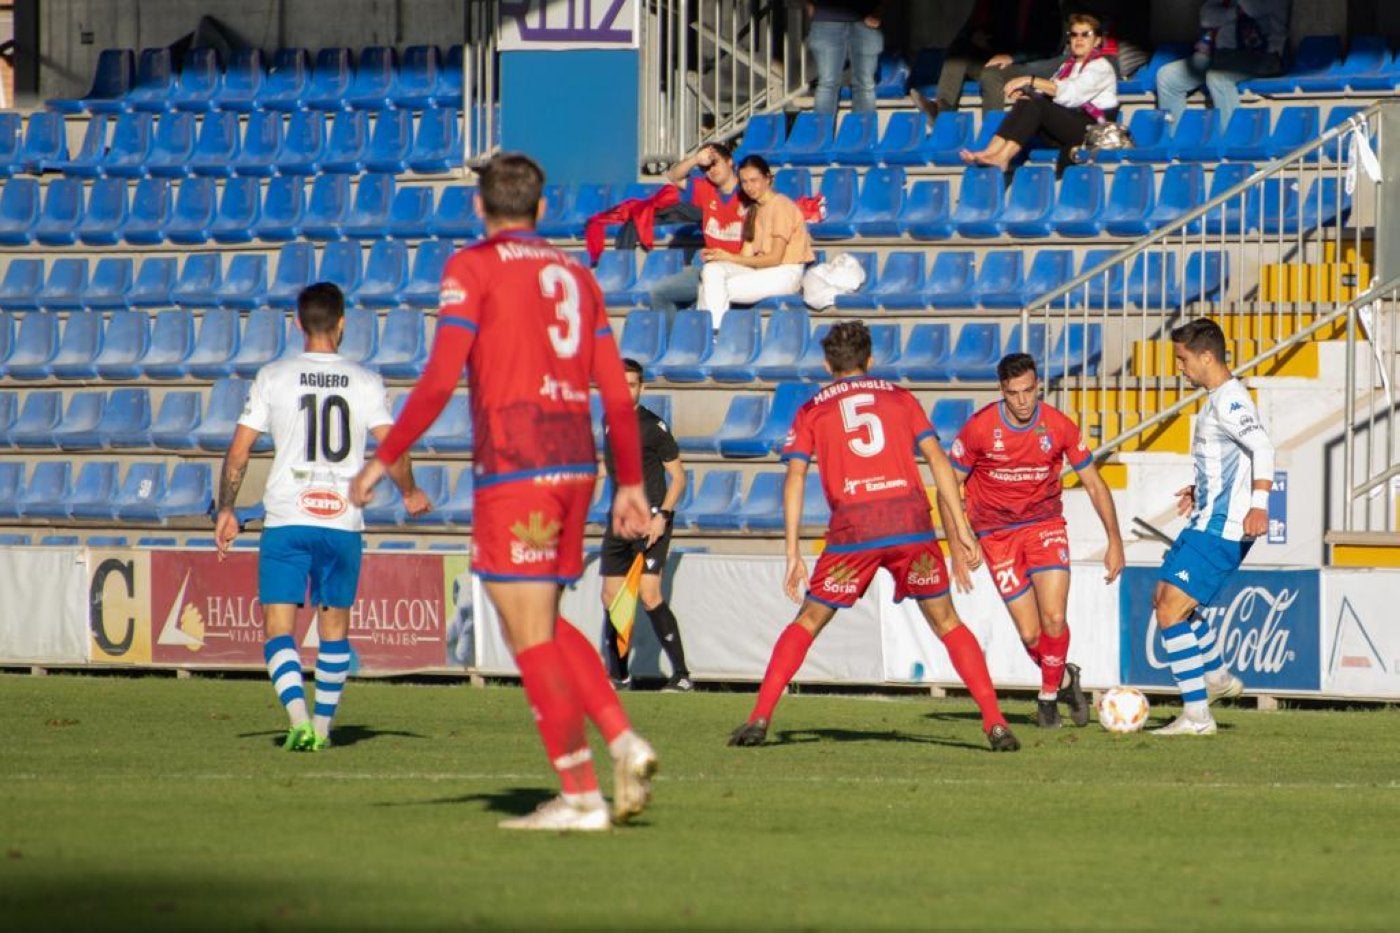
1198	563
291	555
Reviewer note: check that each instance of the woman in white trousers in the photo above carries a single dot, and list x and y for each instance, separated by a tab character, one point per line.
775	253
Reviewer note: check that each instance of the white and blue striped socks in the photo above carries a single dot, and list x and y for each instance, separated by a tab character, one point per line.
1210	647
284	667
332	667
1184	656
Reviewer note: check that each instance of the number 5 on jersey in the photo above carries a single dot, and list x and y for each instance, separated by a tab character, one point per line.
866	424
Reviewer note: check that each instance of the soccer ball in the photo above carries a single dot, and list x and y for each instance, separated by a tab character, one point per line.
1123	709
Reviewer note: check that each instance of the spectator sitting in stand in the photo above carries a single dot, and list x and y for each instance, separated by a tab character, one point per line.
1239	39
722	222
997	34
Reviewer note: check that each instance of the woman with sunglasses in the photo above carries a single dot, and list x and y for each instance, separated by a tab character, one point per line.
1084	91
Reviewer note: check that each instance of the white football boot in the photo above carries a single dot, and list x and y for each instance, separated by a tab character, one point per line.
1222	685
561	816
1186	725
633	767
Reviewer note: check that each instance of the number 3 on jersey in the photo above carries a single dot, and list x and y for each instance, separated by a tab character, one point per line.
871	439
558	284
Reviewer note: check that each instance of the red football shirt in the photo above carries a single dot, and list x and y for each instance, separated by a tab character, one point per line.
722	216
1013	473
863	433
529	323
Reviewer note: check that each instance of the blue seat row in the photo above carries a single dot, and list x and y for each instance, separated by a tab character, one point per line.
1319	65
388	275
175	344
96	490
910	140
421	76
195	211
789	348
223	145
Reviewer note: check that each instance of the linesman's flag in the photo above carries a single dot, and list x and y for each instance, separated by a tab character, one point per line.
622	611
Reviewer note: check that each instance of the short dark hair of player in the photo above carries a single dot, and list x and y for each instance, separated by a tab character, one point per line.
630	365
847	347
1200	335
723	151
511	185
320	308
1014	364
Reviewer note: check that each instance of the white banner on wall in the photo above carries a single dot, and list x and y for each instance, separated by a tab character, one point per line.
1360	641
43	605
540	25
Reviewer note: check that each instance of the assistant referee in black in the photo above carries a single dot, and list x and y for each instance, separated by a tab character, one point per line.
661	461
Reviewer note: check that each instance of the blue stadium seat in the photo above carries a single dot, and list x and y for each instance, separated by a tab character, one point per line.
784	343
78	347
296	269
283	209
425	278
1286	212
19	211
125	341
927	212
1001	278
155	81
149	213
810	140
948	416
130	147
19	290
38	416
688	347
193	214
437	143
456	509
450	77
1037	344
1248	132
886	342
643	336
199	81
155	279
901	143
386	274
34	348
1029	205
106	213
244	284
328	208
126	421
402	345
221	413
198	282
303	143
975	354
1192	136
238	211
110	283
264	339
658	264
411	213
1193	129
7	340
560	217
451	432
1130	201
285	84
598	511
87	161
735	347
811	366
77	429
763	135
1104	290
950	280
1183	190
11	138
760	510
925	357
360	340
49	490
172	340
262	145
1296	126
177	421
345	145
718	496
980	202
899	285
329	80
216	148
1147	127
455	217
1079	207
95	490
787	398
615	274
855	138
242	81
63	211
951	132
839	189
45	143
434	482
1241	213
12	487
1072	354
1315	58
390	143
174	146
415	79
1380	76
1336	149
1144	80
341	264
881	197
1206	272
1050	269
189	494
793	182
373	82
116	70
141	488
65	286
214	348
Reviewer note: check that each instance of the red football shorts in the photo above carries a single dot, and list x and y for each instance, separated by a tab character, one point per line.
842	578
531	529
1013	555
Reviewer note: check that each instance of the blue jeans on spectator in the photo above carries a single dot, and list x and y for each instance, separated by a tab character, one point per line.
831	44
1227	69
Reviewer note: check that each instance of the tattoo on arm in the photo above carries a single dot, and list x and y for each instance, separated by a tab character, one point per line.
229	483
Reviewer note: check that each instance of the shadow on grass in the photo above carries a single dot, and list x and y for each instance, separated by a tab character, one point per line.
512	801
341	736
798	736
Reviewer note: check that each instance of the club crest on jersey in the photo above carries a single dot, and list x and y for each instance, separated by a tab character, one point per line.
958	449
996	440
1045	442
1236	406
841	579
452	292
535	540
322	503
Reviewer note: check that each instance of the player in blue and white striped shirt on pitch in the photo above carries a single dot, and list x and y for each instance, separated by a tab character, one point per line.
1228	508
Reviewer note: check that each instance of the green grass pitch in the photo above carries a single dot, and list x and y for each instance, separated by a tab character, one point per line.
152	803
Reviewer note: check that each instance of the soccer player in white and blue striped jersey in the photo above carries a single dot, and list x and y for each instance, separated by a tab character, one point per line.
1228	508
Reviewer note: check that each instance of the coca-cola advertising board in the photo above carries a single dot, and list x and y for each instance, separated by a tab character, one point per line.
1267	621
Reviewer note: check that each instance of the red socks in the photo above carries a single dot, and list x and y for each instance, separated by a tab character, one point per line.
1053	653
788	655
971	666
558	716
1034	650
590	681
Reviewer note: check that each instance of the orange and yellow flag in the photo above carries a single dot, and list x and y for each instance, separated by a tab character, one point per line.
622	611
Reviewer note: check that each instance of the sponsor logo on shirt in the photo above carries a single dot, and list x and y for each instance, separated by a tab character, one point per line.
923	571
322	503
452	292
874	484
557	389
996	440
841	579
1236	406
535	540
1030	474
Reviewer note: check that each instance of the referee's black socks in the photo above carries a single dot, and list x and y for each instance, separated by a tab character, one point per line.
668	632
